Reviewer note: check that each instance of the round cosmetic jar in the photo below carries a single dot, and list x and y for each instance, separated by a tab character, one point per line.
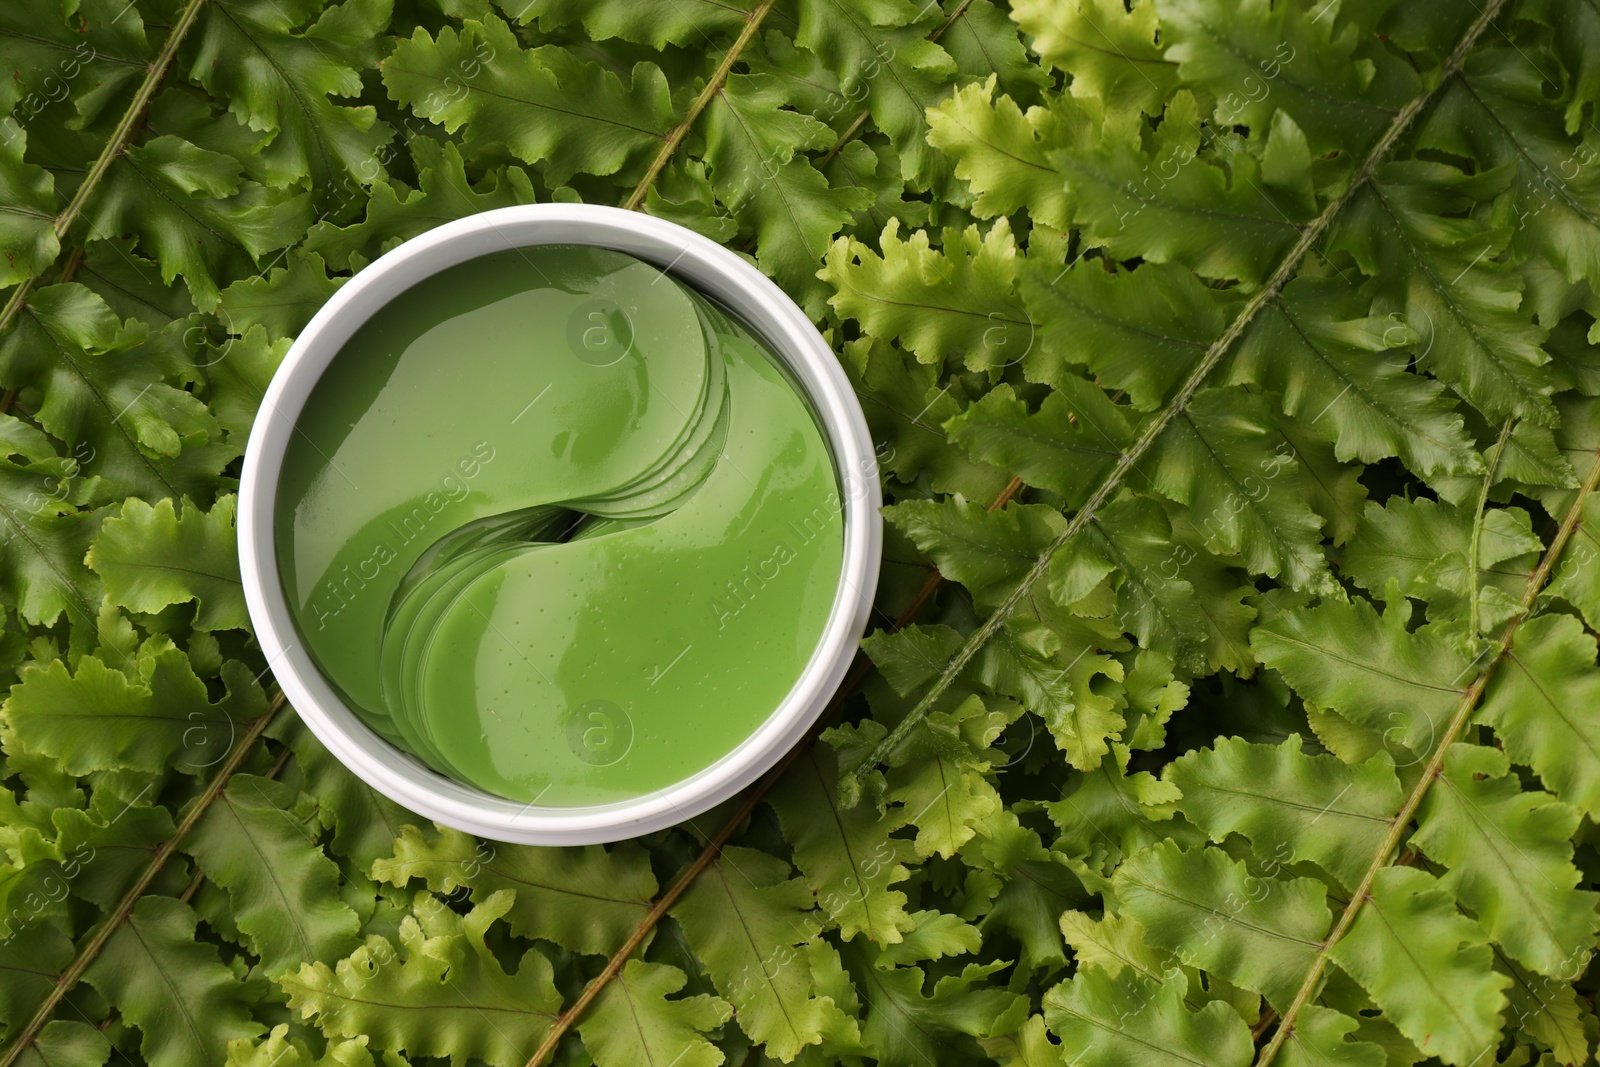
697	262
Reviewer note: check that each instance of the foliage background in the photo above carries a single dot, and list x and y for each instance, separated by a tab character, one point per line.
1232	693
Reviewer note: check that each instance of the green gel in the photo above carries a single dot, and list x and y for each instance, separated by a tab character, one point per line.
558	526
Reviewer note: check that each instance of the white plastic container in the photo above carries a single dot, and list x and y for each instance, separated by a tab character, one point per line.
706	266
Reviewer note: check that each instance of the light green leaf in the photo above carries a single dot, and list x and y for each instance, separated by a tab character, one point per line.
1107	46
1107	1021
1208	910
442	992
1544	704
1290	805
585	899
846	855
153	557
947	305
745	920
1370	668
100	719
1426	965
1002	152
1509	854
633	1022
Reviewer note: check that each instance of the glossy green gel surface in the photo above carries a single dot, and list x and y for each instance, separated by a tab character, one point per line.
558	526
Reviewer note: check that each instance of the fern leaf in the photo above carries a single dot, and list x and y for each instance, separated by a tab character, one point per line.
1003	154
282	77
744	919
442	992
905	1026
395	213
1424	546
1509	852
985	43
633	1022
1112	814
1369	667
153	557
1110	49
954	304
905	404
1106	1020
279	1050
1026	661
101	719
255	844
584	899
1166	204
365	822
185	1002
282	300
1067	446
656	23
1142	331
80	51
122	412
43	537
1453	294
1542	704
1548	1009
989	552
1319	1040
938	784
93	853
881	44
543	105
1211	912
1497	113
1290	805
67	1043
847	857
755	149
1226	460
28	242
1316	67
1426	965
1130	542
1317	344
196	213
1576	576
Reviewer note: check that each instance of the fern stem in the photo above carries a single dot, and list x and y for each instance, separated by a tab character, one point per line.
1213	355
1469	701
114	148
713	848
97	941
719	77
